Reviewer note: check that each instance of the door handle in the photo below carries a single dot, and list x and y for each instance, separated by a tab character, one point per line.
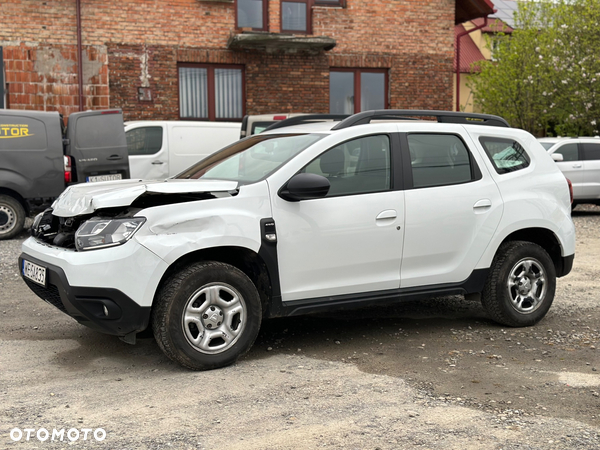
577	166
387	214
157	163
114	157
482	204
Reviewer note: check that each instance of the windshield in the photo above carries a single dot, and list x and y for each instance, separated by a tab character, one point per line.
252	159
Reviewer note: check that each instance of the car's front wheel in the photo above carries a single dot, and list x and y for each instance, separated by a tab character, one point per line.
520	288
207	315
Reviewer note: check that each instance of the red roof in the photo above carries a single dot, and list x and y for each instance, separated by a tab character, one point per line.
469	52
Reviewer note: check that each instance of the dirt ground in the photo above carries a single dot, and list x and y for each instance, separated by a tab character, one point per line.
435	374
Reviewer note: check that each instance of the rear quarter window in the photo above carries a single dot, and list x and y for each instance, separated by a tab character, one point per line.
506	155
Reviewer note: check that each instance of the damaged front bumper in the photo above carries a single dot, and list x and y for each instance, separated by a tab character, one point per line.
105	289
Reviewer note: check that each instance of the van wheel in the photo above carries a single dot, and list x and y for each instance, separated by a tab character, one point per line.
520	288
12	217
207	315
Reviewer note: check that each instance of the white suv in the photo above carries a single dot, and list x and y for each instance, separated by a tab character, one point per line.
309	218
579	160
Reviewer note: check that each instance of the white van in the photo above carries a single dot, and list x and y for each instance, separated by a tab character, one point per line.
159	149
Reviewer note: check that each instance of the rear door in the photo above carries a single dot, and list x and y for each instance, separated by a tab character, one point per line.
97	145
591	169
147	146
572	166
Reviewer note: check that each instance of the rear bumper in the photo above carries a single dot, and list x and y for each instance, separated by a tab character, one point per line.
103	309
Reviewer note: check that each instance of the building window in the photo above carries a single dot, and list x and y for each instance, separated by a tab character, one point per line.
294	16
252	14
355	90
211	92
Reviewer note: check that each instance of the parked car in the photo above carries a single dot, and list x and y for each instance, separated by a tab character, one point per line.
313	217
39	157
579	159
159	149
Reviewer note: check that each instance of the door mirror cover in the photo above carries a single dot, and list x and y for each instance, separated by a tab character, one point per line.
305	186
557	157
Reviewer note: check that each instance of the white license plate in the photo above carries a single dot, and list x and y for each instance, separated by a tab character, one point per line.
34	272
95	178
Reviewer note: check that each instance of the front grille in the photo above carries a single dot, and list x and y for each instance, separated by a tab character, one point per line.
49	294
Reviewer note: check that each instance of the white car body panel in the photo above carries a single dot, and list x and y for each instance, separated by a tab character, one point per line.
130	268
87	198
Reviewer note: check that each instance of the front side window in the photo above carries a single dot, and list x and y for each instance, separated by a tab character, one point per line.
570	152
507	155
439	160
358	166
144	140
209	92
250	160
252	14
355	90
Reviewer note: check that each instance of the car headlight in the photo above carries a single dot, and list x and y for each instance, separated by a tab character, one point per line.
101	233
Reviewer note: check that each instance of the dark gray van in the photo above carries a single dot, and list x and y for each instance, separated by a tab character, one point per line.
39	157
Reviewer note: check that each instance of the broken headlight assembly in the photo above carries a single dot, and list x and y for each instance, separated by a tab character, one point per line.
99	233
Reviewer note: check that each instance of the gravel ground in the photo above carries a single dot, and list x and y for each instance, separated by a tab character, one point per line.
435	374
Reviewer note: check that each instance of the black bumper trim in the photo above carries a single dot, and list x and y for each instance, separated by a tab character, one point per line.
89	305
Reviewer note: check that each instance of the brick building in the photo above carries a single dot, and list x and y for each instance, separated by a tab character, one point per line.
221	59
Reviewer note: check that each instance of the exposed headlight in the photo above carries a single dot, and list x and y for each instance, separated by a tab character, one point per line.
101	233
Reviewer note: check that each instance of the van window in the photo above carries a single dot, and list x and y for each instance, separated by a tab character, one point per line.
90	135
507	155
144	140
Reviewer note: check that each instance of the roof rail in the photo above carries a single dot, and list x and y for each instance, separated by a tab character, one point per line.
407	114
307	118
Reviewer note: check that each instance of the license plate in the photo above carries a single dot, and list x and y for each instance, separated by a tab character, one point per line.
111	177
35	273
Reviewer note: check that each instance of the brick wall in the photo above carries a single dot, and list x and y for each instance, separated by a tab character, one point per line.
137	44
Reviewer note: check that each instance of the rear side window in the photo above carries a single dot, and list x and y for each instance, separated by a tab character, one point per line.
507	155
591	151
438	160
144	141
570	152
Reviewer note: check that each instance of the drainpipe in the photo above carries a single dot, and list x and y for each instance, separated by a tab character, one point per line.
79	57
464	33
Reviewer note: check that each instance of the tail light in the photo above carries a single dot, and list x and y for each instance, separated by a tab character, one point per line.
68	175
570	189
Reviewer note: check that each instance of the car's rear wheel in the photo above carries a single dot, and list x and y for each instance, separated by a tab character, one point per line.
207	315
521	285
12	217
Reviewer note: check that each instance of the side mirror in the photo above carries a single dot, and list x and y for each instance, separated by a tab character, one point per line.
305	186
557	157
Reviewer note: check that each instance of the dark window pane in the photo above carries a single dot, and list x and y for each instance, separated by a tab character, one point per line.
359	166
438	160
506	155
341	92
293	16
570	152
250	14
144	141
591	151
372	91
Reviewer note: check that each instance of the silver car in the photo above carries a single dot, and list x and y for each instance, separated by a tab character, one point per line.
579	159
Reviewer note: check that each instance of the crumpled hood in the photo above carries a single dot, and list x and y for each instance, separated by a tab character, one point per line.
86	198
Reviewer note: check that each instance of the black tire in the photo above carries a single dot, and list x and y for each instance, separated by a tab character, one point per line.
521	285
12	217
207	315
